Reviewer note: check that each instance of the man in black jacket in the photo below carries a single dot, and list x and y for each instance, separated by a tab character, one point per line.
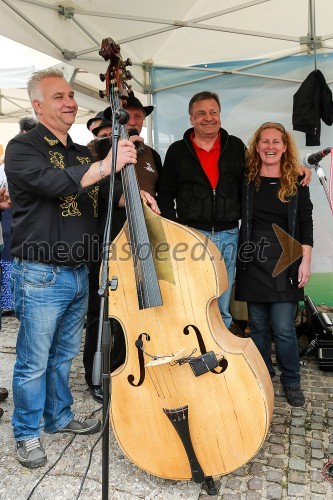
202	173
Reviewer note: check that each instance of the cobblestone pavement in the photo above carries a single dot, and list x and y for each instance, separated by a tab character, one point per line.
288	466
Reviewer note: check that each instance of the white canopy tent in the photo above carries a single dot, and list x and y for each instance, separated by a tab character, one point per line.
254	54
199	32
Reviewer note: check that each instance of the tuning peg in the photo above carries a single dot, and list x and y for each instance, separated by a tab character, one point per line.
128	62
101	94
102	77
128	75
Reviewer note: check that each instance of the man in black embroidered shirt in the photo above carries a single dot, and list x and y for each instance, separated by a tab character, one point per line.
53	185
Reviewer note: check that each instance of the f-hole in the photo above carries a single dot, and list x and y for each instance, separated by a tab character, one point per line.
139	345
223	362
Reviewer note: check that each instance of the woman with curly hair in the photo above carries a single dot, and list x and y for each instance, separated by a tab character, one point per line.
275	208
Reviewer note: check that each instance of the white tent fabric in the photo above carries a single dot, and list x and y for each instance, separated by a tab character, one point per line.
162	34
14	77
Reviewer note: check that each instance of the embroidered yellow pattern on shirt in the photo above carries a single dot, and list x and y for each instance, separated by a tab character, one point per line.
52	142
68	203
93	193
57	159
83	159
69	206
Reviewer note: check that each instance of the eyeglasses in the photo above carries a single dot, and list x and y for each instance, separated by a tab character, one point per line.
272	124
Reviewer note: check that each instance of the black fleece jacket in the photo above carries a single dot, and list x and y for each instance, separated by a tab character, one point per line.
184	181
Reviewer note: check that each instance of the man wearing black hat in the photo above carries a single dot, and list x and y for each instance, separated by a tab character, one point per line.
95	121
148	169
27	123
103	130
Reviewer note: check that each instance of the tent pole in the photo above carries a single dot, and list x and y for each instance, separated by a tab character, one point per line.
150	124
148	91
312	29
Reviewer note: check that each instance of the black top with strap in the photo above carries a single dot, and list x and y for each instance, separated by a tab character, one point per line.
259	249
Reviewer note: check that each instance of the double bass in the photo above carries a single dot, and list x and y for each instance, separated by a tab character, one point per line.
191	400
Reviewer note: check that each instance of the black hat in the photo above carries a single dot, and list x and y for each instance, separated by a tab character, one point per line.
99	116
27	124
132	102
104	123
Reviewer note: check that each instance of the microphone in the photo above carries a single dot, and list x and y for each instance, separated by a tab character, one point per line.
121	115
312	159
140	147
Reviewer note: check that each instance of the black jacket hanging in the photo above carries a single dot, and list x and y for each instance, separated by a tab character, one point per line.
312	103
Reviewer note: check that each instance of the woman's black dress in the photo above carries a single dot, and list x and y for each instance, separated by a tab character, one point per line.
254	280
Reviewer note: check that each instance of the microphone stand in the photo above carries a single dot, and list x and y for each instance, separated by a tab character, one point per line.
102	365
323	181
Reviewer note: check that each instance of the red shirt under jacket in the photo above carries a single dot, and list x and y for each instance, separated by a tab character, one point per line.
209	160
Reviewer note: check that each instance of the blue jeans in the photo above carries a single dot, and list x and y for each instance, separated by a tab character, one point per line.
276	320
50	302
226	242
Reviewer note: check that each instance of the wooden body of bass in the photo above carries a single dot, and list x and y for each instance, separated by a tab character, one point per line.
167	420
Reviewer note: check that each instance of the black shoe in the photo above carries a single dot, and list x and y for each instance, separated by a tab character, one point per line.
81	425
97	394
3	393
30	453
295	396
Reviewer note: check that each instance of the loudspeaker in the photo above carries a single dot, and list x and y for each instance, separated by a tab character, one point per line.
325	354
323	335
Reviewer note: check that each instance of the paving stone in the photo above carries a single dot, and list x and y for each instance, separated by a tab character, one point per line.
276	449
295	476
297	431
274	491
256	469
255	483
298	422
296	490
297	451
317	454
316	444
230	496
317	464
233	483
316	425
297	464
276	462
240	472
274	475
299	440
253	495
318	488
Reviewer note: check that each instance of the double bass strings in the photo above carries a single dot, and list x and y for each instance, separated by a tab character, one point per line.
130	187
148	319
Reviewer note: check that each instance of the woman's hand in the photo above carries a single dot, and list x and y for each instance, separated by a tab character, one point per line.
4	199
304	271
307	175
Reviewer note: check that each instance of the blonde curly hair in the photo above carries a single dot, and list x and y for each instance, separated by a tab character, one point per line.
289	161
